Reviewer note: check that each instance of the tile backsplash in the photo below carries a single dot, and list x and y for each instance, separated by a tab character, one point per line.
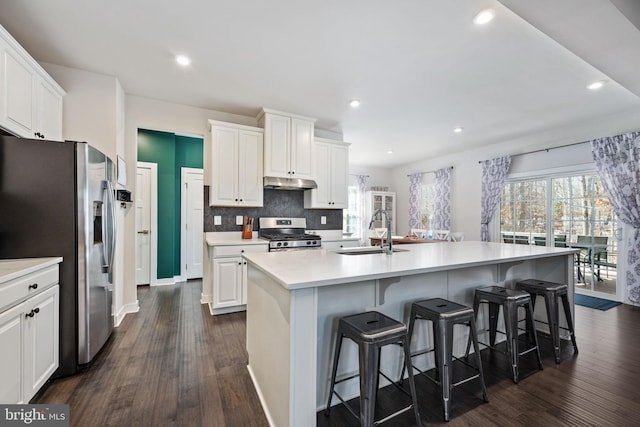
277	203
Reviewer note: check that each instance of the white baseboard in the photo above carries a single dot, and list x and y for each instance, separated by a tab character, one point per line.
126	309
165	282
261	397
205	299
226	310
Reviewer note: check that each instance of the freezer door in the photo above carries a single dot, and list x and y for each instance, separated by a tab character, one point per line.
96	233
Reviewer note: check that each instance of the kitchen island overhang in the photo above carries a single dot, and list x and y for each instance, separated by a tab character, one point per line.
295	299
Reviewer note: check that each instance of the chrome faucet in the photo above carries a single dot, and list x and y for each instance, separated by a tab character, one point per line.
378	215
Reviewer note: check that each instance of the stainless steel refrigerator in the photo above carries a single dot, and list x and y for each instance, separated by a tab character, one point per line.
57	199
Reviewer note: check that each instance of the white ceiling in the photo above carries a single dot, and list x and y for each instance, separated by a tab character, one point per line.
420	67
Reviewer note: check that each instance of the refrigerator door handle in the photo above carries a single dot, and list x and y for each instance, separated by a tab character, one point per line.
112	225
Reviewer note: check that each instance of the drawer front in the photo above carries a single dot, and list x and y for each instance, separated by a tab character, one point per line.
19	289
237	250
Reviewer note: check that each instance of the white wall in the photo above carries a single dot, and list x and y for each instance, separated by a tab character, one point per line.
378	177
89	108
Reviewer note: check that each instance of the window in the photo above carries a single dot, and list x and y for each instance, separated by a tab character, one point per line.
427	199
351	218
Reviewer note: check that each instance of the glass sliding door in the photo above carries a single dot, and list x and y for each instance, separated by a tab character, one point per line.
523	212
583	212
570	211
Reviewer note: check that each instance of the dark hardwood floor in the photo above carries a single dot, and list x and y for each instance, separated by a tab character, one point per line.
173	364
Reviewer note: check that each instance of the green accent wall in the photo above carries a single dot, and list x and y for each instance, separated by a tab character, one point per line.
170	152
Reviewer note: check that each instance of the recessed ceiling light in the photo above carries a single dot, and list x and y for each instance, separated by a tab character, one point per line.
596	85
389	152
354	103
484	17
458	129
183	60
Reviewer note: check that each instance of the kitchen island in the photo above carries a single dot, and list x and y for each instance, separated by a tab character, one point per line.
296	298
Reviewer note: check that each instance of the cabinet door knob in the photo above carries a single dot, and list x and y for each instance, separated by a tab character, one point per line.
240	263
241	250
245	263
240	199
34	286
33	312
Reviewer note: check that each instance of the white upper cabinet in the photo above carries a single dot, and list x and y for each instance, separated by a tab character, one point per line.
236	165
330	168
288	141
30	100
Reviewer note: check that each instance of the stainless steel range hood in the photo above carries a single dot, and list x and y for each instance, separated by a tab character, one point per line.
276	183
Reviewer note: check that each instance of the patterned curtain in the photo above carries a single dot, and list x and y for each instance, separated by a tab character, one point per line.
363	229
494	172
415	193
617	162
442	202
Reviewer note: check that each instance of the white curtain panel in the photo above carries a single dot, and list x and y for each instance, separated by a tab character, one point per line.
415	196
617	161
442	202
361	182
494	172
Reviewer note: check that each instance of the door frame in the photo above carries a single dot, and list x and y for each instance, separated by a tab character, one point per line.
183	218
153	225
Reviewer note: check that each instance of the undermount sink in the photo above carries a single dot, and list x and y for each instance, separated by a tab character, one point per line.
367	251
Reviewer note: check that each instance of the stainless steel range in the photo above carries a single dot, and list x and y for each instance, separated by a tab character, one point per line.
286	234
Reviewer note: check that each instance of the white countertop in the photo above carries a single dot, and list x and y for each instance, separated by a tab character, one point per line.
225	238
13	268
313	268
232	238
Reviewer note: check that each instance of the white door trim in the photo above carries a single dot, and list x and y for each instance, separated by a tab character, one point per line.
183	218
153	241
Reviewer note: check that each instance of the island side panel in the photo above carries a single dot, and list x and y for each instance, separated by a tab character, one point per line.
268	344
281	344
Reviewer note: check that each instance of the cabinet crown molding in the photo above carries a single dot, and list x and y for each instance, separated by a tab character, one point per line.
282	113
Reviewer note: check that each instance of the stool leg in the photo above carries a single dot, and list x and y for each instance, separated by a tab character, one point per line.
436	357
554	328
528	320
369	367
511	328
412	321
474	336
412	385
444	349
476	307
493	322
567	314
334	370
535	338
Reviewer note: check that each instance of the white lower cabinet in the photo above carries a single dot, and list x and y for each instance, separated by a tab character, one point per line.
11	359
230	277
29	339
41	339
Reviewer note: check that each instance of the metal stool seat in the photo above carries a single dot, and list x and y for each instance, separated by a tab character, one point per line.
551	292
443	314
510	300
371	331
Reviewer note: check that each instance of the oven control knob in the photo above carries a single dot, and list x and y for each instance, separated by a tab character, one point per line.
279	244
308	242
285	244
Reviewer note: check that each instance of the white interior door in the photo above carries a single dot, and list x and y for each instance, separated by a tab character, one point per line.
192	223
143	203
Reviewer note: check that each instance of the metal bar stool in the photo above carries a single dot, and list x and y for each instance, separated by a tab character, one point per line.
371	331
510	300
443	315
551	292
